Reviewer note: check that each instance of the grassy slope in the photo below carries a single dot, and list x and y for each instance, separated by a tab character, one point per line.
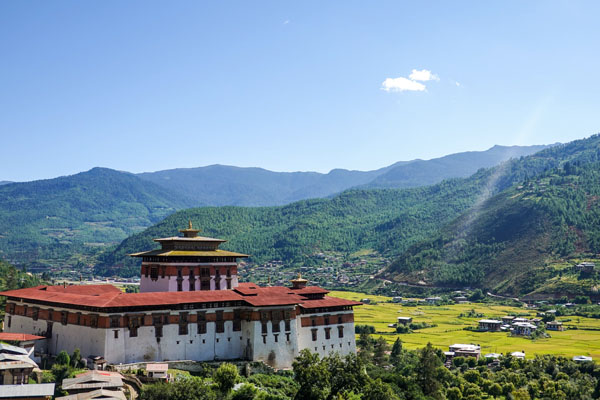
449	329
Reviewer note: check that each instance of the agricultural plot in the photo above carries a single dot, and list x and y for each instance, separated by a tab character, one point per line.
449	329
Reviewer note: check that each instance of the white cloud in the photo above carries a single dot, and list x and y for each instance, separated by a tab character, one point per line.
287	21
457	83
402	84
423	75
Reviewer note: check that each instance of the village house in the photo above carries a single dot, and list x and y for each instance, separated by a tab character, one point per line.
465	350
585	267
157	370
554	326
92	381
404	320
508	319
489	325
190	307
523	328
15	365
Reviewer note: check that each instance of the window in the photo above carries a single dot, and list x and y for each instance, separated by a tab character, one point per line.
25	310
192	281
313	321
314	334
48	329
229	284
263	328
237	320
114	321
276	338
287	337
9	320
327	333
180	285
220	324
201	322
116	332
94	320
326	318
340	331
158	331
64	317
183	323
276	326
10	308
287	325
154	273
264	339
134	323
217	282
78	318
340	319
35	313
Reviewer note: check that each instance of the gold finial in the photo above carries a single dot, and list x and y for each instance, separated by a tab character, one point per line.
299	275
190	223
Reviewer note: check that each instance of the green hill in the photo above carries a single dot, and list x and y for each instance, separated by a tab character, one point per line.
524	240
388	221
63	219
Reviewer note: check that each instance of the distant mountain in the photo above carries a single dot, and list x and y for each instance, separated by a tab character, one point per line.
519	241
71	219
220	185
5	182
55	220
459	165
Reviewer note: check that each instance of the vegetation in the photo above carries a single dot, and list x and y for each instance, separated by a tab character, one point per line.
72	218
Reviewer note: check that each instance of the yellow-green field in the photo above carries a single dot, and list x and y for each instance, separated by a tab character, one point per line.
449	329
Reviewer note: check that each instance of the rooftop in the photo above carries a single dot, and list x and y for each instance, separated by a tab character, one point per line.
108	297
26	391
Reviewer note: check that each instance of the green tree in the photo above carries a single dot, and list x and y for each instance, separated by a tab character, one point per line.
380	350
396	351
378	390
226	377
76	359
426	371
63	358
312	375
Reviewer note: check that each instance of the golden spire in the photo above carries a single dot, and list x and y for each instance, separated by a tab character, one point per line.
190	223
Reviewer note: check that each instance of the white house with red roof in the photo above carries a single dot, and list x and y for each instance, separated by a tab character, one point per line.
203	313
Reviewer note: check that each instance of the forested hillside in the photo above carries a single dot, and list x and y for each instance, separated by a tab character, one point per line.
59	220
389	221
221	185
515	242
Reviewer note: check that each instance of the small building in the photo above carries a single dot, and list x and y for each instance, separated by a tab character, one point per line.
23	340
396	299
366	301
15	365
554	326
433	300
465	350
518	354
508	319
586	267
43	391
460	299
489	325
493	356
519	320
404	320
523	328
93	380
158	370
582	358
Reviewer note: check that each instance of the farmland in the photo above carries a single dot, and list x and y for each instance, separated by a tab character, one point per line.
585	340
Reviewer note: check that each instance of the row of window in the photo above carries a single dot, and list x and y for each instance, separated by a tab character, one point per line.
275	326
314	332
328	319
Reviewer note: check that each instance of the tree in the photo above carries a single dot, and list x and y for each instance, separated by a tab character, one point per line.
476	295
245	392
63	358
426	371
378	390
380	352
454	393
312	375
396	351
226	377
76	358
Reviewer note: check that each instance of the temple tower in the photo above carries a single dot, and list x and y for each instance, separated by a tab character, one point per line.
188	263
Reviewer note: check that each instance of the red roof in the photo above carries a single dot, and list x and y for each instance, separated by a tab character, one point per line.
107	296
18	337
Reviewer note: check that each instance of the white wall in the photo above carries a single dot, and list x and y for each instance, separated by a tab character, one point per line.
323	346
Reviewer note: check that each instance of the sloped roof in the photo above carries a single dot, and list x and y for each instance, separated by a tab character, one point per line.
93	380
96	394
26	391
101	296
18	337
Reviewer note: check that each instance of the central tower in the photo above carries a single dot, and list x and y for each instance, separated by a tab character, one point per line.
188	263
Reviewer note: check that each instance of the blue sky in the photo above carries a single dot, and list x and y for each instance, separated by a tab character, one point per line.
144	85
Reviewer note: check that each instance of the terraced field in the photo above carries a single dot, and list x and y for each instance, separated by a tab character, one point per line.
449	330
